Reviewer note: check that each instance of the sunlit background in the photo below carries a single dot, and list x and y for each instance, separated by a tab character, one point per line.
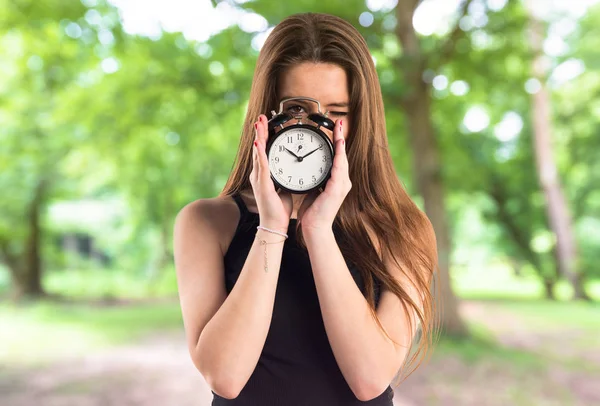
115	114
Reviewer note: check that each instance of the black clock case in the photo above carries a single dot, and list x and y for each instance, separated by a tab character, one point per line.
274	135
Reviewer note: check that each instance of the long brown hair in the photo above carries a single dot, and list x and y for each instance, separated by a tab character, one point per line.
402	231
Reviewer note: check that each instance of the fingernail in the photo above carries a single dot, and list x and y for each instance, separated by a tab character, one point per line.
343	142
341	122
256	126
255	143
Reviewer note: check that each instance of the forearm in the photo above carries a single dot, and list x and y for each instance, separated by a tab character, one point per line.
230	345
359	346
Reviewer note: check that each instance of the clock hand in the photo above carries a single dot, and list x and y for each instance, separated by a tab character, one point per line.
316	149
297	157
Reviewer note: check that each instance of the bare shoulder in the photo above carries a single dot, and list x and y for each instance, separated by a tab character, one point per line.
214	217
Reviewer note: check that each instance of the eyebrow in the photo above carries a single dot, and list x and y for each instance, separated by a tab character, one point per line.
337	104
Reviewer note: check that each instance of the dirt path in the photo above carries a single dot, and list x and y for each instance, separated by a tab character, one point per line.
155	372
565	382
158	371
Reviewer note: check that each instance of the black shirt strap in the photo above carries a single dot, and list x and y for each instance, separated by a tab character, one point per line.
240	203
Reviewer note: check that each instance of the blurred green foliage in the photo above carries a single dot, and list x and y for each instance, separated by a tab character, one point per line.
145	125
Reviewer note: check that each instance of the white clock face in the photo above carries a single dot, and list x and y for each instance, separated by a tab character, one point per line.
300	159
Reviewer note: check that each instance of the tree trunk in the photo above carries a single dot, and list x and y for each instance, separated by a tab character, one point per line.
556	205
426	160
26	273
549	289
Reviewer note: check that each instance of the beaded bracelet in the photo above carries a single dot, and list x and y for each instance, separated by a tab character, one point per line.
272	231
264	242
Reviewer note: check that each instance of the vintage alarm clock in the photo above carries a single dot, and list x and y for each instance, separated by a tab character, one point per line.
300	154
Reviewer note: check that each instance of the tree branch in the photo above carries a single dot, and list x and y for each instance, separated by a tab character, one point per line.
520	237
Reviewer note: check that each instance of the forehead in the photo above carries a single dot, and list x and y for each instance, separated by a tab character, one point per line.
322	81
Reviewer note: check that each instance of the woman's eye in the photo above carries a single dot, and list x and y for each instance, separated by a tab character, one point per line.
338	113
296	109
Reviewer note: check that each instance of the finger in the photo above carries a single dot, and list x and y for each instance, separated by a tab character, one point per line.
264	136
260	130
338	138
340	160
263	127
263	163
254	156
256	161
253	172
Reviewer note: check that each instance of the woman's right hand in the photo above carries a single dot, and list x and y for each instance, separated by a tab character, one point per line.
274	208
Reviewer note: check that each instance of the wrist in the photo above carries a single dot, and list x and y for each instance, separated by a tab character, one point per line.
316	233
282	228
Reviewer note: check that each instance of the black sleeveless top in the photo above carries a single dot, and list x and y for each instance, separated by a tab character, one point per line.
297	366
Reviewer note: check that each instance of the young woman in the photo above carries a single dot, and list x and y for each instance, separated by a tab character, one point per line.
308	299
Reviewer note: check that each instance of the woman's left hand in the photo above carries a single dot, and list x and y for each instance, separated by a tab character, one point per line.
318	210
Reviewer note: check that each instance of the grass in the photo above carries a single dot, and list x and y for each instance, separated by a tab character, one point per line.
45	331
40	330
498	282
479	348
557	315
110	283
